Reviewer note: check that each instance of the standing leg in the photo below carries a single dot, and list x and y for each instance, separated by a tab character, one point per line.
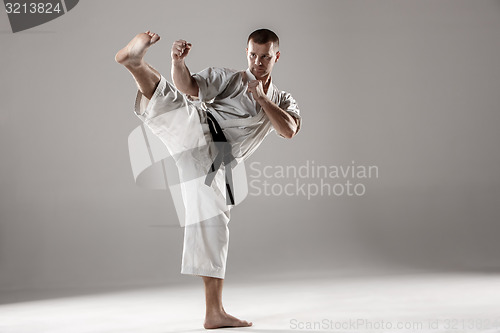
132	57
204	254
215	316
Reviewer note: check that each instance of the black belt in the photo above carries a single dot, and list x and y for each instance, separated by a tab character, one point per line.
224	155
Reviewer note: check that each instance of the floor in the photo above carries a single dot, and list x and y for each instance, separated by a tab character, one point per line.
423	302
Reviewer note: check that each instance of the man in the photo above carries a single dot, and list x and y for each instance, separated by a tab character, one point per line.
233	110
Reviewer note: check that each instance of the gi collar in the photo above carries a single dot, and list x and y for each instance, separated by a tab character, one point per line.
270	89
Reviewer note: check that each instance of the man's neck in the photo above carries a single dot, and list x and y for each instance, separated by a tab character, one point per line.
266	81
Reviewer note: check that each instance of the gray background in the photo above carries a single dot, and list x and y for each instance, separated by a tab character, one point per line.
409	86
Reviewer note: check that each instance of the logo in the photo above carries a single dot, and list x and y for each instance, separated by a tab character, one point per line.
28	14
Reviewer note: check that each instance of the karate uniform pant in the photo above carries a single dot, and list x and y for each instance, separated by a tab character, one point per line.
182	127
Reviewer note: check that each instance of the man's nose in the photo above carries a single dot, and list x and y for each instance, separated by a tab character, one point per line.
257	61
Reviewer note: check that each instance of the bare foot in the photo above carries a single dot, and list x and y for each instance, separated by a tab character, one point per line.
132	54
222	319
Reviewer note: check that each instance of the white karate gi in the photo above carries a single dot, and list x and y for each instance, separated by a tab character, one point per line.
181	124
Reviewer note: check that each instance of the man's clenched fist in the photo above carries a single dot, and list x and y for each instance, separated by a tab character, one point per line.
255	87
180	49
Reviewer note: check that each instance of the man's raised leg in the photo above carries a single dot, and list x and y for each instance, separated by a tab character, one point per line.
132	57
215	316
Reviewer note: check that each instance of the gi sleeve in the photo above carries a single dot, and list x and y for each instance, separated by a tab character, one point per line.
288	103
211	82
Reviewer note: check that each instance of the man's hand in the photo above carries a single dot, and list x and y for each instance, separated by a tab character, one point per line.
257	90
180	50
283	123
181	76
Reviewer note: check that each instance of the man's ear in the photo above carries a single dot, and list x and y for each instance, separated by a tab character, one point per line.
246	51
277	55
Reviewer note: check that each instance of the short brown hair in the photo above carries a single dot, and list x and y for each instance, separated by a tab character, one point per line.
263	36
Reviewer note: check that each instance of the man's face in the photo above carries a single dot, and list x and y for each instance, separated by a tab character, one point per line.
261	58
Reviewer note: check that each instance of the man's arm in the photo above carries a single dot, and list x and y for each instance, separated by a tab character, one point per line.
181	76
282	121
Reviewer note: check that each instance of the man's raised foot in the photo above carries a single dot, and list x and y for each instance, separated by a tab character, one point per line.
133	53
